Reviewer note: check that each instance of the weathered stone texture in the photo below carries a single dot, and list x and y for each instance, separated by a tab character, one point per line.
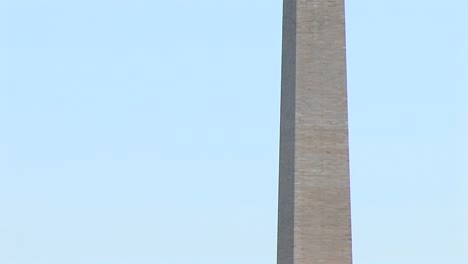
314	200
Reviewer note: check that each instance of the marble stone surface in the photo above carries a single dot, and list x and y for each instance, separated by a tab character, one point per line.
314	197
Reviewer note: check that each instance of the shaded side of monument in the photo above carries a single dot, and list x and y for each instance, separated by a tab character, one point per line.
314	224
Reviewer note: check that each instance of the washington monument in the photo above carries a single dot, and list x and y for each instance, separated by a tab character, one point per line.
314	199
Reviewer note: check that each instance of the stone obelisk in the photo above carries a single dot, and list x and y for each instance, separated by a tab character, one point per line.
314	198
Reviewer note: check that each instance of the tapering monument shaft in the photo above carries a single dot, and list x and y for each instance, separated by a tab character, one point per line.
314	197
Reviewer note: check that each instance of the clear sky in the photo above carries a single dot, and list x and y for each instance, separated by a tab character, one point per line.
138	131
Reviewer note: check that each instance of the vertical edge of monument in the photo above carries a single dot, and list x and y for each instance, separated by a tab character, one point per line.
285	248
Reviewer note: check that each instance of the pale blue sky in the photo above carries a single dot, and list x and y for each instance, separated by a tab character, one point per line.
137	132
